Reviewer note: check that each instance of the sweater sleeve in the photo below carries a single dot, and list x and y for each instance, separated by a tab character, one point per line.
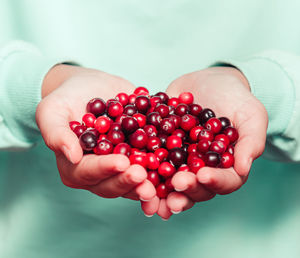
22	69
274	78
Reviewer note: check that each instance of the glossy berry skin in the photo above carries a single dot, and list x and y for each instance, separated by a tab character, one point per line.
188	122
94	131
103	147
225	122
154	118
153	143
205	115
193	156
142	103
87	141
223	138
141	119
129	125
89	119
212	159
138	139
180	133
173	141
122	148
163	139
195	109
194	132
162	191
115	109
129	110
227	160
230	149
186	98
161	154
115	126
96	106
203	146
152	161
218	147
231	133
102	124
169	185
167	126
122	98
173	102
162	109
150	130
196	164
155	100
182	109
163	96
102	137
177	157
131	98
153	177
78	130
214	124
192	148
184	168
176	119
166	169
206	134
73	124
115	137
141	91
139	159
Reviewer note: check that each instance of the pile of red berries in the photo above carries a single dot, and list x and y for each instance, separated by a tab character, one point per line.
162	134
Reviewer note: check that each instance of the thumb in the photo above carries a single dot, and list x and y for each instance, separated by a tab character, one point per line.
54	126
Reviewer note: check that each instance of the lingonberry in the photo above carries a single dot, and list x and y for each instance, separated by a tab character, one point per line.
138	139
186	98
115	109
129	125
214	124
163	96
173	141
227	160
152	161
122	98
115	137
188	122
212	159
96	106
142	103
166	169
195	109
122	148
182	109
162	191
141	119
102	124
153	177
231	133
205	115
103	147
129	110
153	143
161	154
141	91
87	141
162	109
177	156
167	126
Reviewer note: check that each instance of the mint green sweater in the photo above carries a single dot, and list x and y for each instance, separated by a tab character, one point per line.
149	43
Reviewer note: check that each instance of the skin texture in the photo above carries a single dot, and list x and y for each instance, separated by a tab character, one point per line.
226	91
65	92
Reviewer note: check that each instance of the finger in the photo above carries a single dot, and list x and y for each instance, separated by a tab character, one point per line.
151	207
178	202
220	181
187	182
163	210
120	184
92	168
251	142
144	191
54	127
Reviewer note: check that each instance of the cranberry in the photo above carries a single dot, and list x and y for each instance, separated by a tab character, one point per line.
214	124
94	131
154	118
196	164
177	156
167	126
141	119
110	101
87	141
153	143
231	133
166	169
153	177
195	109
169	185
225	122
141	91
188	122
79	129
152	161
150	130
140	159
182	109
230	149
161	154
227	160
73	124
131	98
162	191
129	125
102	137
102	124
203	146
136	151
212	159
180	133
173	102
171	110
163	96
184	168
186	98
115	137
173	141
194	132
176	119
142	104
120	118
192	156
163	139
115	109
103	147
122	148
115	126
96	106
155	100
205	115
89	119
192	148
129	110
138	139
122	98
162	109
205	134
218	146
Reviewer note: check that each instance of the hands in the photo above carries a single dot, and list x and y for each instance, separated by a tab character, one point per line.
65	92
226	91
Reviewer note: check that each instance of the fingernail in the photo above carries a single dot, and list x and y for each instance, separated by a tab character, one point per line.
164	219
67	153
144	200
149	216
179	190
249	164
175	212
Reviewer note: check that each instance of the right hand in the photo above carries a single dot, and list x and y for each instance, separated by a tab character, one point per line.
66	91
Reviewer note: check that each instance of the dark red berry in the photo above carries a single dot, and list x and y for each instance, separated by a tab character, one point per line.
129	110
180	133
188	122
115	109
184	168
176	119
142	103
155	100
103	147
205	115
212	159
94	131
173	141
89	119
115	137
153	143
138	139
194	132
131	98
152	161
163	96
182	109
218	146
115	126
193	156
161	154
162	191
214	124
167	126
141	91
231	133
192	148
129	125
225	122
73	124
162	109
173	102
96	106
153	177
230	149
177	156
122	148
79	129
206	134
122	98
141	119
166	169
87	141
102	124
186	98
154	118
169	185
195	109
203	146
223	138
227	160
163	139
150	130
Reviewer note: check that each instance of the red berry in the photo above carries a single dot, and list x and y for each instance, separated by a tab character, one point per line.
152	161
182	109
129	110
115	109
196	164
176	119
167	126
154	118
223	138
141	91
96	106
169	185
153	143
122	148
155	100
141	119
162	191
231	133
192	148
214	124
205	115
142	103
153	177
177	156
120	118
184	168
188	122
161	154
87	141
173	141
102	124
103	147
227	160
129	125
194	132
122	98
166	169
230	149
89	119
218	147
162	109
115	137
193	156
163	96
212	159
94	131
180	133
173	102
186	98
131	98
203	146
102	137
206	134
79	129
139	159
150	130
73	124
138	139
225	122
195	109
